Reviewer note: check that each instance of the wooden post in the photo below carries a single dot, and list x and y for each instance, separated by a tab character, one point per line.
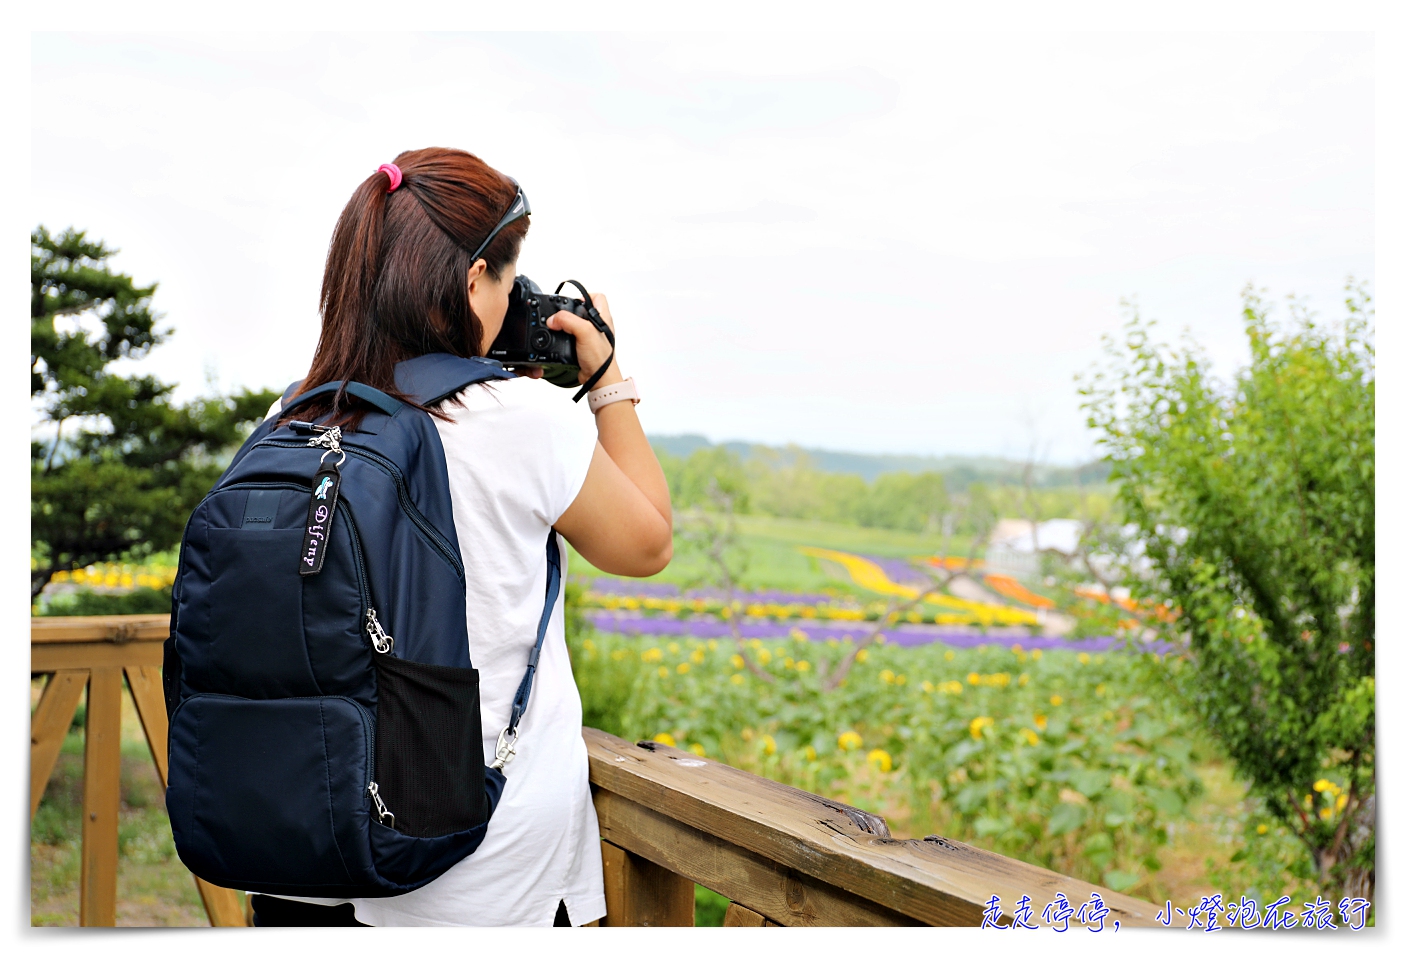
739	917
102	767
49	727
641	893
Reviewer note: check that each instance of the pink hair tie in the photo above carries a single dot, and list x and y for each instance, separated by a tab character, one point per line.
393	171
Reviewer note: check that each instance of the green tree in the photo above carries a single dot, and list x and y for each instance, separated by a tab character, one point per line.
1255	499
901	500
115	466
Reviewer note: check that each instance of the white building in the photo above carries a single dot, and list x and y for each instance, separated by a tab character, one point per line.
1016	544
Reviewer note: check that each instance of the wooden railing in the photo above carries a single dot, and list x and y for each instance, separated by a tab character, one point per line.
782	856
668	819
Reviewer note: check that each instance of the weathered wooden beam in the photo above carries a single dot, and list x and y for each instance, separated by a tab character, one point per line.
57	656
117	629
641	893
785	896
935	880
49	726
102	779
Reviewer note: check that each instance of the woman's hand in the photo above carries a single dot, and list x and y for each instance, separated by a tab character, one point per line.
592	348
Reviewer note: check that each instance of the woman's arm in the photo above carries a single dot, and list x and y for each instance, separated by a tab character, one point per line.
620	521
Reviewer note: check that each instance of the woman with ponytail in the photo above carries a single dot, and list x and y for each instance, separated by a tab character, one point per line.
422	261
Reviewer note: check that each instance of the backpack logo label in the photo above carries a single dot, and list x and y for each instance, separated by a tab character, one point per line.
321	508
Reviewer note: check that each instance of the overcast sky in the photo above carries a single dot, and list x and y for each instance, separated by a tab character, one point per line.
877	243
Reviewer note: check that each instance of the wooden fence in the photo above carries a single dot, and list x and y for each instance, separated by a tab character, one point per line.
668	819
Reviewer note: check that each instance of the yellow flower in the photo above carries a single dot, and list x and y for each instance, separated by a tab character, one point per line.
683	668
810	753
712	645
737	661
664	738
1024	678
926	686
802	666
652	655
1261	828
768	744
588	645
1325	813
901	680
1036	654
1083	658
618	655
673	648
1041	721
663	671
747	735
861	655
764	656
697	657
1030	737
1342	802
886	676
697	749
849	741
788	662
879	639
949	655
973	678
1322	785
979	723
881	760
736	678
1100	689
799	636
1056	700
755	644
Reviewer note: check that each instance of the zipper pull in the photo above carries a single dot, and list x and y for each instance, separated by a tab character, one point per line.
382	642
382	813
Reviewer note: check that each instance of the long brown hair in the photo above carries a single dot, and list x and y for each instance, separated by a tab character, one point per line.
396	281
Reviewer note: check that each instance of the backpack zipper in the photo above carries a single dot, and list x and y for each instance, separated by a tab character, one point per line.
372	789
407	505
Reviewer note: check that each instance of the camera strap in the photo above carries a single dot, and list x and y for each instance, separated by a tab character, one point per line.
594	316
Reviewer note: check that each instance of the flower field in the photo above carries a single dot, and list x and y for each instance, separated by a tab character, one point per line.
1057	757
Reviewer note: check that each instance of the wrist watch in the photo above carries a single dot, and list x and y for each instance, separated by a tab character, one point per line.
605	395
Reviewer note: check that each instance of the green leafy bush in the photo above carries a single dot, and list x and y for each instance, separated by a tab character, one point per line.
1255	499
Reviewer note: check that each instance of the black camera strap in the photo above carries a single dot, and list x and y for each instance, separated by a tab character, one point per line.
594	316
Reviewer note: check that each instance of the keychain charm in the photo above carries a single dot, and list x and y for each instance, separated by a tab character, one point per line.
323	505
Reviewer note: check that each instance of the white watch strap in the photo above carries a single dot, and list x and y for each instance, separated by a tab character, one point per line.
605	395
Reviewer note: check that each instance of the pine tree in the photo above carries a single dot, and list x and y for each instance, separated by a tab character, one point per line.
115	465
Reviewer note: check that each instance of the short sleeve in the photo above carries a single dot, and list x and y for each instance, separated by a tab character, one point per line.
517	447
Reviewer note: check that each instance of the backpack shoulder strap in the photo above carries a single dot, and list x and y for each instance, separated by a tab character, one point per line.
432	377
507	739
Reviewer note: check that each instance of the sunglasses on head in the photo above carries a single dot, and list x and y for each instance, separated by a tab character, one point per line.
516	211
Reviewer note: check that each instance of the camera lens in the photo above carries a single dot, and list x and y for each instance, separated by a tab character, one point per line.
540	339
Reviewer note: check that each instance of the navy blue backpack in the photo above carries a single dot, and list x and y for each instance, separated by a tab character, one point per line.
325	732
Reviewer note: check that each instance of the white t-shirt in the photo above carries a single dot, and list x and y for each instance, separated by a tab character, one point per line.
517	454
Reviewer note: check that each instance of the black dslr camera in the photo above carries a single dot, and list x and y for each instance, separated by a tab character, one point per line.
525	339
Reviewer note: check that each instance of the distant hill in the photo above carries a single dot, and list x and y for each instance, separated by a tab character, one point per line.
960	471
